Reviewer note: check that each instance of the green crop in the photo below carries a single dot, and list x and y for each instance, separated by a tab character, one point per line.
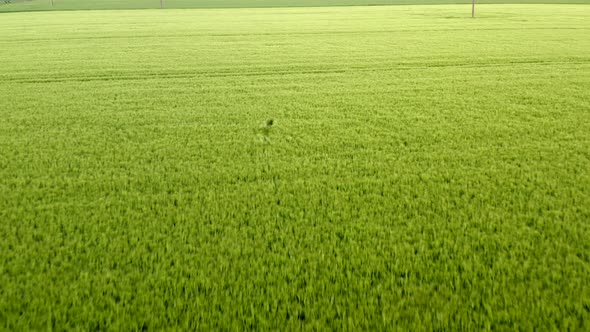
363	168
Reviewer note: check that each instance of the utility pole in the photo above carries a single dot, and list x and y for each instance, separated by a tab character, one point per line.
472	8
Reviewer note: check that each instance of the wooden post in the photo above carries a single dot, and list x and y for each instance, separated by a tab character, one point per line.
472	8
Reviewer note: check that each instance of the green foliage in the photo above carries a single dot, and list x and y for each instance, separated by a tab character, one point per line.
361	168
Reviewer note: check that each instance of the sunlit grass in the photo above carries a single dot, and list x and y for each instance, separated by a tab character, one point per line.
362	168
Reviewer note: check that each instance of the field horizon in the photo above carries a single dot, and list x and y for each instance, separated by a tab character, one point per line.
305	168
61	5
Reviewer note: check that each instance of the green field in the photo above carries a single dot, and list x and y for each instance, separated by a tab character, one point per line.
362	168
37	5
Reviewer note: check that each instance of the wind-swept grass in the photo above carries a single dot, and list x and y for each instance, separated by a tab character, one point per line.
363	168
